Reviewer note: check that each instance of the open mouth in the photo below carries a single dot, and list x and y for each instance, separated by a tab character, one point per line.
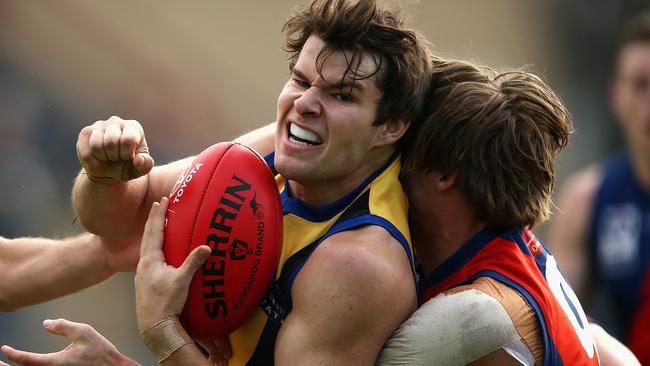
302	136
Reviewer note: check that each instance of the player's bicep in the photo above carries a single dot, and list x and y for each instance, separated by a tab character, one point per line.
347	300
308	338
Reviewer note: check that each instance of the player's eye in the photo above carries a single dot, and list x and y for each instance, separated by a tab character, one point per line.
343	97
301	83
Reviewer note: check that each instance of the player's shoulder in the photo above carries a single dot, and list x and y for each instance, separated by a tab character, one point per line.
368	260
371	247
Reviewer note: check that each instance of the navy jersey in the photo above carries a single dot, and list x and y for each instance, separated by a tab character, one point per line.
620	245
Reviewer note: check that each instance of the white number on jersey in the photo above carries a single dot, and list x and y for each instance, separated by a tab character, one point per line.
570	304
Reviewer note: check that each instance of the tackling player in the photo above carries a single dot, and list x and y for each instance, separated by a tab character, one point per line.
480	174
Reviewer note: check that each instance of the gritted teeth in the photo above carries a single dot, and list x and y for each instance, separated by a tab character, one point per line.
302	135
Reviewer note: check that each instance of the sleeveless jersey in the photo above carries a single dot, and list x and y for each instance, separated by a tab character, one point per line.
620	248
517	259
379	200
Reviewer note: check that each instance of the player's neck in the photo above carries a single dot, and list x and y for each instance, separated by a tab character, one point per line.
326	191
445	234
641	168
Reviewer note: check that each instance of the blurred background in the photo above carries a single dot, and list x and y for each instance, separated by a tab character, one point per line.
198	72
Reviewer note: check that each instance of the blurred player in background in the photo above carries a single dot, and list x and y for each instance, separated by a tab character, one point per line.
601	234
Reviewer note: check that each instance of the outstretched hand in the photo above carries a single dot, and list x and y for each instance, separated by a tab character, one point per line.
87	348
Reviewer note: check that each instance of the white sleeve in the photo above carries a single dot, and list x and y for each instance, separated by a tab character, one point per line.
451	330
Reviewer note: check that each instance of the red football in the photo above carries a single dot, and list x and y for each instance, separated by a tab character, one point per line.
227	199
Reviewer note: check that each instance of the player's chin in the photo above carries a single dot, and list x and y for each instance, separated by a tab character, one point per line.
294	169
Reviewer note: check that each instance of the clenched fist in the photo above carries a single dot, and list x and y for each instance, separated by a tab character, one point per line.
113	151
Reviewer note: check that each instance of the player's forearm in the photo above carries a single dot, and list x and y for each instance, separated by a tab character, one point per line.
610	351
48	269
112	211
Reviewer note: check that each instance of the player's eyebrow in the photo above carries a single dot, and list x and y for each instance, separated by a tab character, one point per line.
298	73
349	83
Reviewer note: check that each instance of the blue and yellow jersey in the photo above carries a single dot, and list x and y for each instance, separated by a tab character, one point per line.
379	200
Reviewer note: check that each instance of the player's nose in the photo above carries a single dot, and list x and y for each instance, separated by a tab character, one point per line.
309	103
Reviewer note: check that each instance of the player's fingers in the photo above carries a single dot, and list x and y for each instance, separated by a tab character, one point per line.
223	345
138	151
217	361
96	143
153	229
208	346
112	134
132	134
193	262
84	151
29	358
143	162
216	358
66	328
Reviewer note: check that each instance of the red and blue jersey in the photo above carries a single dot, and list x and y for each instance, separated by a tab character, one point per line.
517	259
620	248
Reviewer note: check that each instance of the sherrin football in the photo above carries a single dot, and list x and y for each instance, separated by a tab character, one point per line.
227	199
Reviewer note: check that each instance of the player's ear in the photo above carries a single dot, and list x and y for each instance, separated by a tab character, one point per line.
391	131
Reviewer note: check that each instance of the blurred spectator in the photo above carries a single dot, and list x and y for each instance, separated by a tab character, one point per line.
601	234
584	33
27	183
